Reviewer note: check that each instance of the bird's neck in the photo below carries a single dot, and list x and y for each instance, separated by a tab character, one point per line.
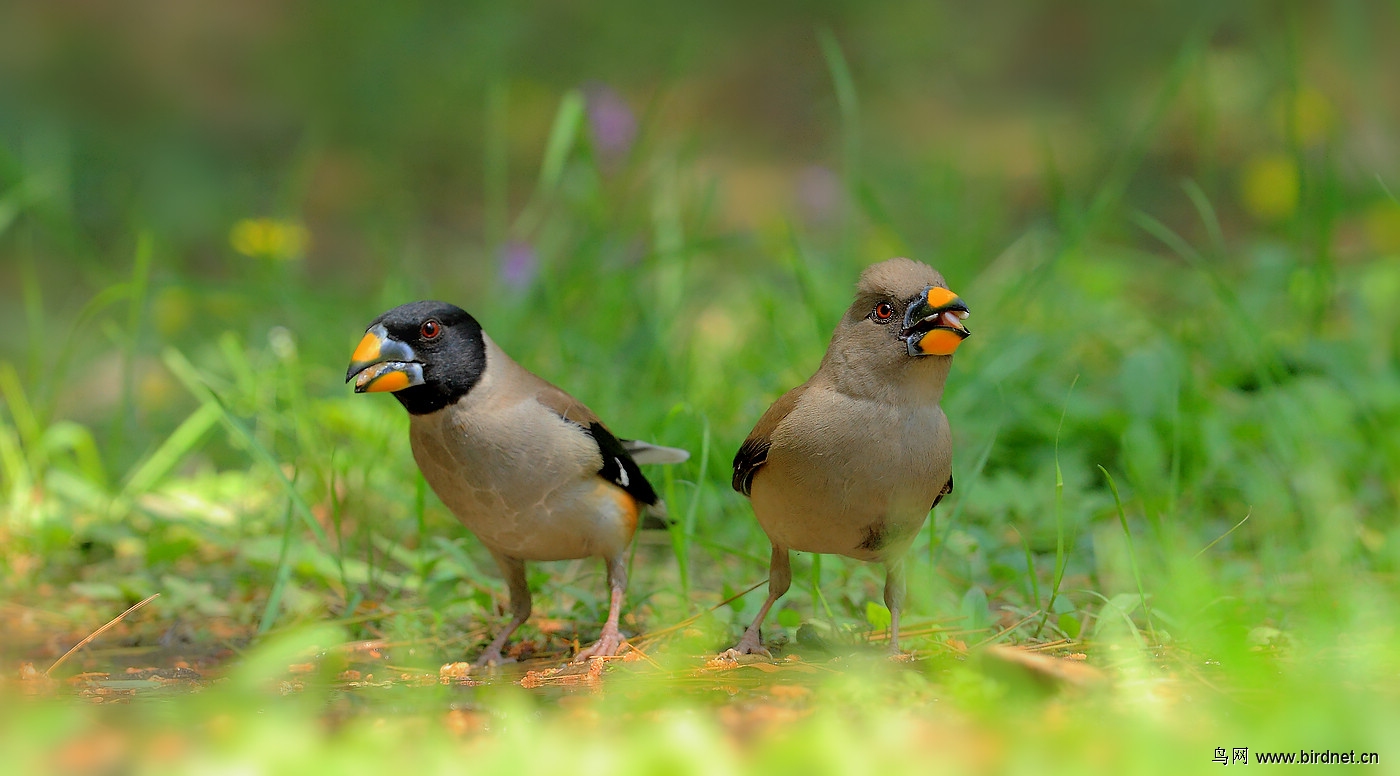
912	381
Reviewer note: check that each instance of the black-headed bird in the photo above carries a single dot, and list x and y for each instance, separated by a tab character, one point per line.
529	469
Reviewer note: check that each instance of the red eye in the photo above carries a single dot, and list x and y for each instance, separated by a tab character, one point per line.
431	329
883	311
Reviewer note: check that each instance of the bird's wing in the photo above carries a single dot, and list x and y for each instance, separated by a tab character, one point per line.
753	453
563	405
947	488
619	467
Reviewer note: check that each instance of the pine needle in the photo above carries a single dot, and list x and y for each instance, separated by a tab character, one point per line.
99	632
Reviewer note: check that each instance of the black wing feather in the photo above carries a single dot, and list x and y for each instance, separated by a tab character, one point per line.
947	488
752	454
618	466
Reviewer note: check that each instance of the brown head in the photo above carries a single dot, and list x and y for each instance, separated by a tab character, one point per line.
899	333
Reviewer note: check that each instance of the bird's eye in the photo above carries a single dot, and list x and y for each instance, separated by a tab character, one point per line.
431	329
883	312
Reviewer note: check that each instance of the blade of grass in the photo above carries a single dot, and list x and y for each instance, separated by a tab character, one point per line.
15	472
1386	189
283	576
681	539
1208	216
22	414
34	317
562	136
420	522
338	520
1061	552
11	205
804	272
1217	539
1030	567
816	581
1268	370
1115	185
79	329
1132	554
936	547
140	287
187	374
75	438
176	448
847	102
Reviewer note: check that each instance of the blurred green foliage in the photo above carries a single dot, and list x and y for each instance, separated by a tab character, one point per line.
1176	224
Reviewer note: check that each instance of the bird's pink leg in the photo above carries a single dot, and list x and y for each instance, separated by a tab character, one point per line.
779	579
514	571
611	639
894	599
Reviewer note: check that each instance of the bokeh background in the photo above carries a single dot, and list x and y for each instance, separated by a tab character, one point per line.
1176	223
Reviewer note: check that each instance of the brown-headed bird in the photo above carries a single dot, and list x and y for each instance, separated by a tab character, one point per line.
852	461
526	467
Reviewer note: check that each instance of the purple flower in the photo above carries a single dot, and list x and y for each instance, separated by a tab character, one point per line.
612	121
519	264
820	196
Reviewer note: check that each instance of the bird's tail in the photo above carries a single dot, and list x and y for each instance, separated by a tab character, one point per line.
654	517
646	452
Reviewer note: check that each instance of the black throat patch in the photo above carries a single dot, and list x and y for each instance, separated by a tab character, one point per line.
451	366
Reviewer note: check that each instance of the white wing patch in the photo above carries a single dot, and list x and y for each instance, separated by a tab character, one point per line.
621	474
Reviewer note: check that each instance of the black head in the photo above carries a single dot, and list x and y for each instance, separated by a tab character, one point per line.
428	354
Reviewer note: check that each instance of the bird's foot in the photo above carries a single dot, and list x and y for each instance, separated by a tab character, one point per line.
748	645
898	655
492	657
607	645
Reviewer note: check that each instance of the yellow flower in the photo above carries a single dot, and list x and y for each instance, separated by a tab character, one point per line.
154	388
1269	187
1382	224
1308	116
269	238
172	310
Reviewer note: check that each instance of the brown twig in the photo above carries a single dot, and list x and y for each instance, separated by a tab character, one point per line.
650	636
99	632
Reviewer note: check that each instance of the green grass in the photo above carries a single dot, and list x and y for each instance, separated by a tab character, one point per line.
1174	423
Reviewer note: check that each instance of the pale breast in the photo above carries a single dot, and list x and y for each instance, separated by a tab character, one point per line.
850	476
522	479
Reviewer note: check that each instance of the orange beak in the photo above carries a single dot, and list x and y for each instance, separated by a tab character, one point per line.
933	324
382	363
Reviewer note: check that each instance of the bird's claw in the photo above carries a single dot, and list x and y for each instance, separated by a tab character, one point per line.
747	646
607	645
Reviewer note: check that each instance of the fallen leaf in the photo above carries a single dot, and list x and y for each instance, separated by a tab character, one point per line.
454	672
462	722
1045	667
789	691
